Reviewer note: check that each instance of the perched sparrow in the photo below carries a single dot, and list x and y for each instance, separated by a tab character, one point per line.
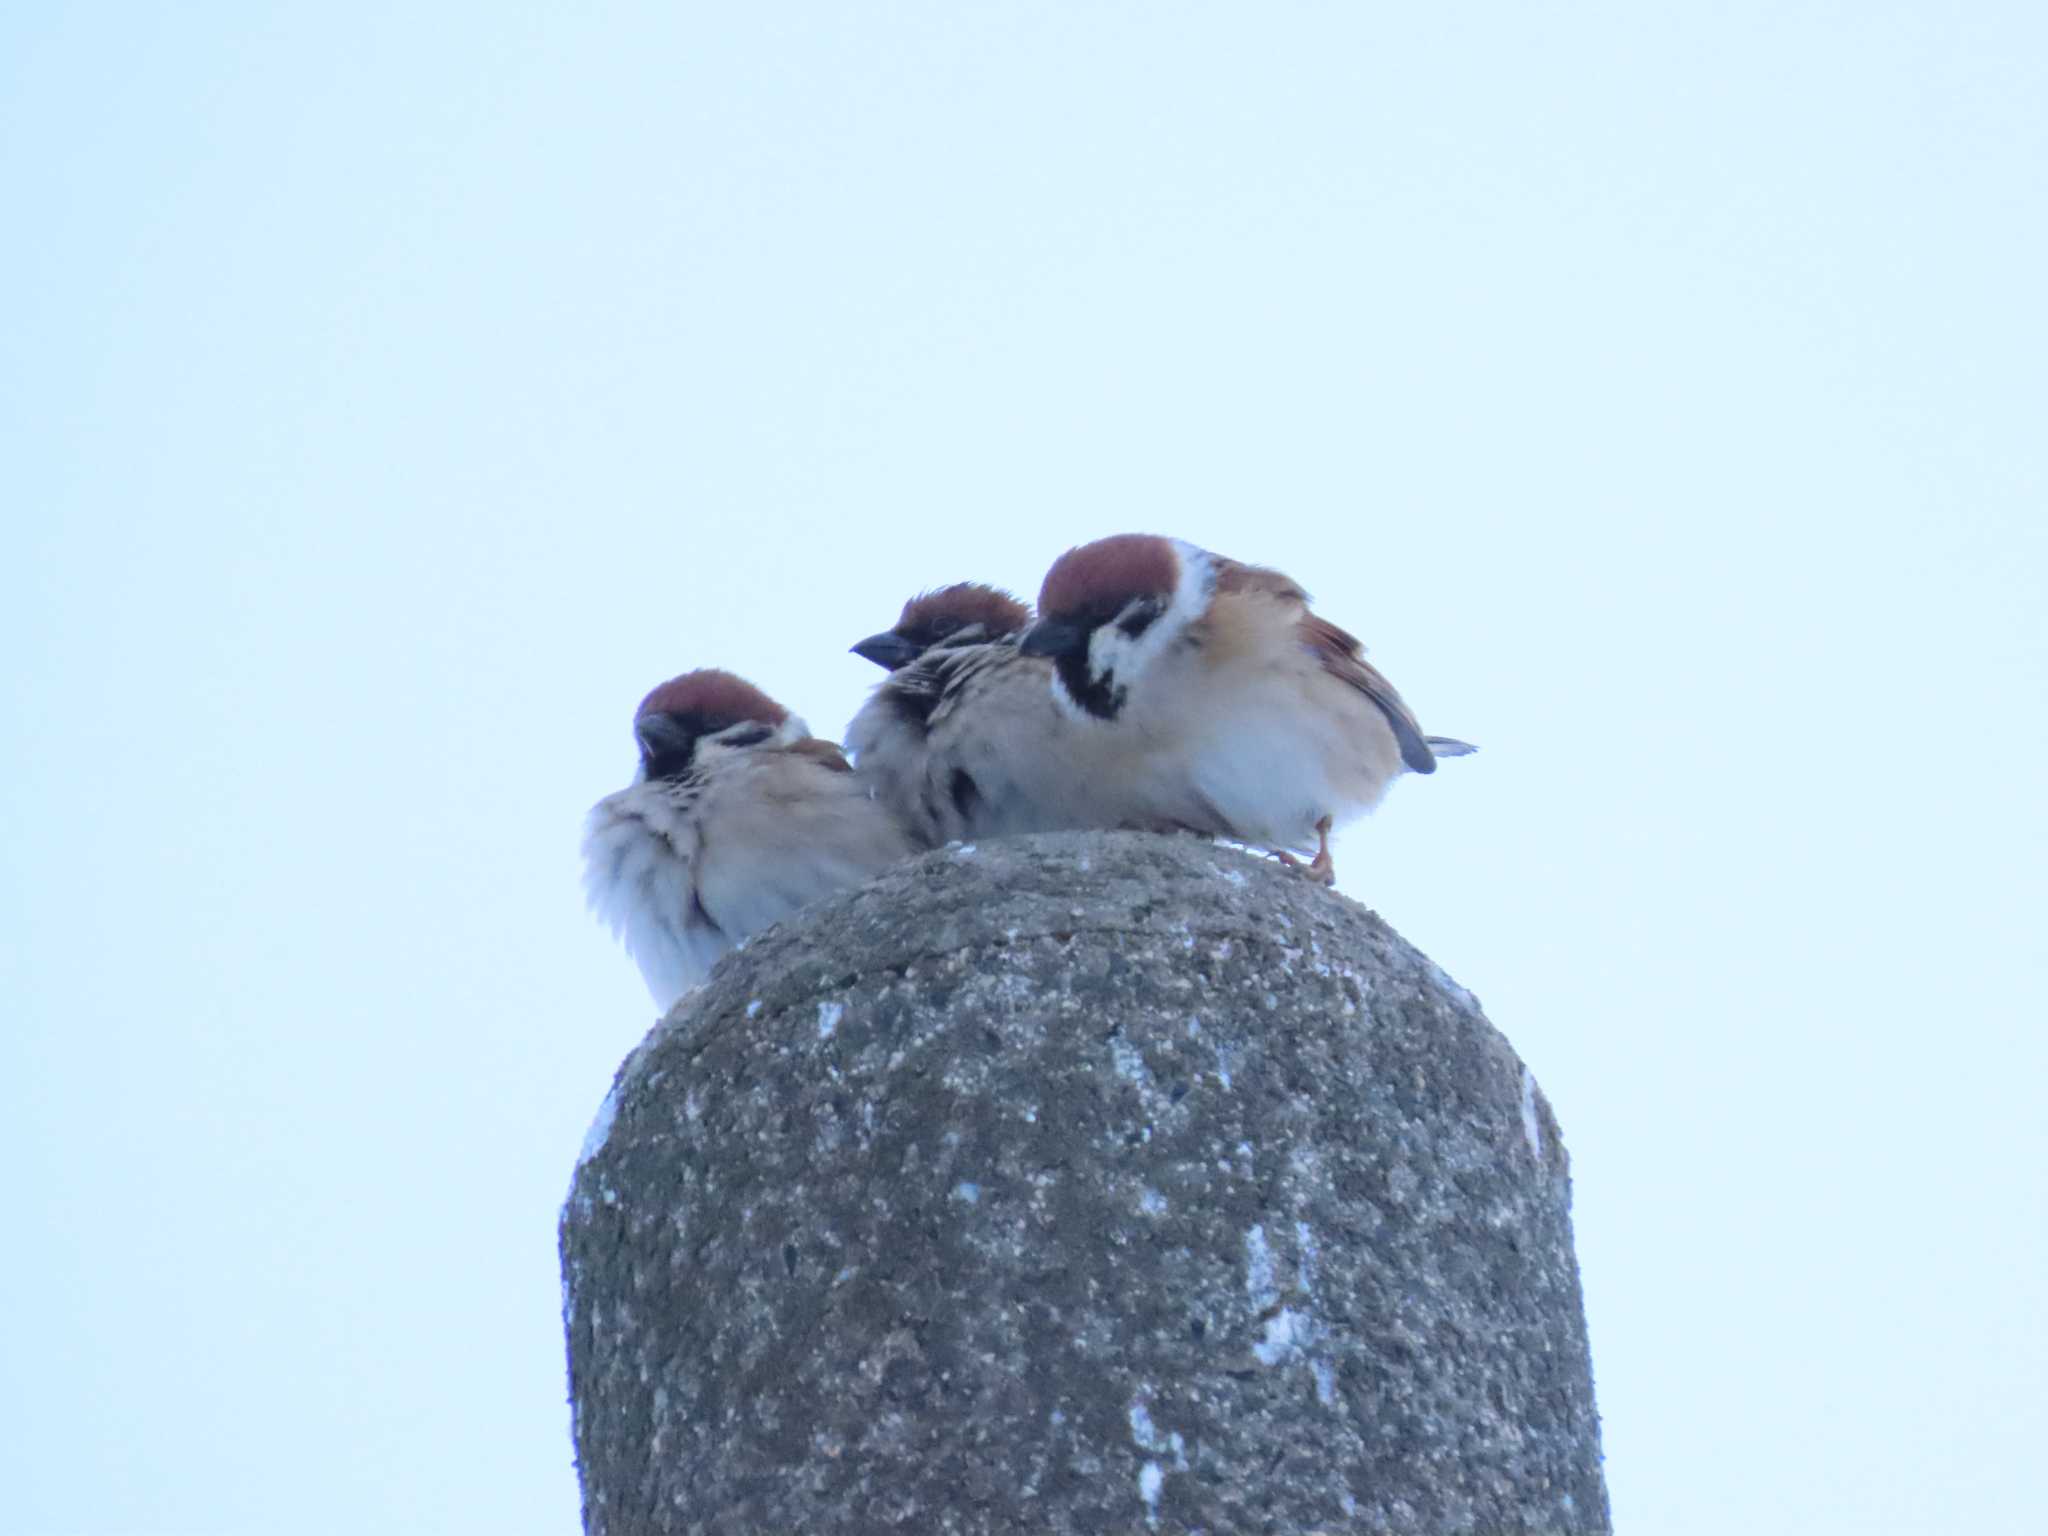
736	818
1240	712
966	613
963	739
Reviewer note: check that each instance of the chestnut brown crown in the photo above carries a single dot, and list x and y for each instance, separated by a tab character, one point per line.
939	612
1097	579
712	694
967	612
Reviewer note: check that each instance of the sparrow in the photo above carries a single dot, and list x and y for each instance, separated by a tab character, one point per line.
736	818
966	613
1240	712
963	738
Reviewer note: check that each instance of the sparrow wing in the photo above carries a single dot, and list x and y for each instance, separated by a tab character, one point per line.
1236	576
792	826
1339	652
1344	658
826	754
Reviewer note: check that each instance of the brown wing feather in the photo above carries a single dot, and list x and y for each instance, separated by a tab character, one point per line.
1235	576
1343	657
1338	650
823	752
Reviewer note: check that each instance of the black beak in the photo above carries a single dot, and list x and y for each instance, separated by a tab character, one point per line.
888	649
1048	637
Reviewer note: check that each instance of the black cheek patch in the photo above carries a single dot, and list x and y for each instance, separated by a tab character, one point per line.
1099	696
671	762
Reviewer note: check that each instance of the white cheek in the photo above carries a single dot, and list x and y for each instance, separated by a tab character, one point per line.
1111	650
1108	651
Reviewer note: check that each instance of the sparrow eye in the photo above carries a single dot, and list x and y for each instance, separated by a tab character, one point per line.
745	736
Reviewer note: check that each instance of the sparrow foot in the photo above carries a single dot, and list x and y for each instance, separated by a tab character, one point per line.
1321	868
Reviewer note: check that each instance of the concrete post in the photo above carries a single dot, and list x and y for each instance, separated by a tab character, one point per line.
1082	1183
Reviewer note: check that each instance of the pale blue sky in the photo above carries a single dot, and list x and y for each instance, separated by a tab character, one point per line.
390	394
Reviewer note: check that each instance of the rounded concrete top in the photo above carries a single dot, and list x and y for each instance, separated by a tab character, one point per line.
1085	1182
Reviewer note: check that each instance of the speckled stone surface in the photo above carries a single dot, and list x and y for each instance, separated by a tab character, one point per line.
1081	1183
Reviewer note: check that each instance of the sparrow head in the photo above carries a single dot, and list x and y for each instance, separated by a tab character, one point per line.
1108	609
706	709
966	613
